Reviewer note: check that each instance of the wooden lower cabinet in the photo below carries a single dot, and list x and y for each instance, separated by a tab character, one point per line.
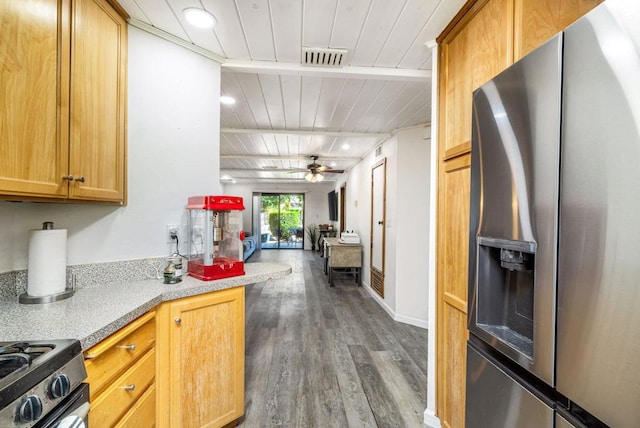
143	413
200	366
121	375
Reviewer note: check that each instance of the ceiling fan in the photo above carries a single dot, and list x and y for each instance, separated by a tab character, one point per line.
315	170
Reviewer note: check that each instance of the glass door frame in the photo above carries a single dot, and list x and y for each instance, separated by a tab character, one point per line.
293	237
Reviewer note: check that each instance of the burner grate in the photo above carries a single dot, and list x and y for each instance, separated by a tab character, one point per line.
18	356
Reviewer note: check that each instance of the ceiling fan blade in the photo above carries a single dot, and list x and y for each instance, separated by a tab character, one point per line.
323	168
334	171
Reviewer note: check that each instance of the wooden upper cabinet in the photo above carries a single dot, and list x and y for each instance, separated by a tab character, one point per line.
98	99
473	52
491	49
63	98
33	141
536	21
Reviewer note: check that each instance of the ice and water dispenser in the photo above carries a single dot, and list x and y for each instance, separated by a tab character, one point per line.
215	237
505	299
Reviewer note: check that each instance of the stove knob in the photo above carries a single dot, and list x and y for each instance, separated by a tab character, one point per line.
60	386
30	409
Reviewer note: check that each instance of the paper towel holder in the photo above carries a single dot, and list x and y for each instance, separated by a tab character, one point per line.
68	292
28	300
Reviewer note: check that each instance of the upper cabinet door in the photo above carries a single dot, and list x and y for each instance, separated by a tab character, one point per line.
98	99
536	21
34	54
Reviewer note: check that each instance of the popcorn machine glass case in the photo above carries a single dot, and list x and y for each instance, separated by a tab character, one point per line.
215	237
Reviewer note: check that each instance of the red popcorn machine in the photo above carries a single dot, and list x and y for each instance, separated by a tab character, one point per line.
215	235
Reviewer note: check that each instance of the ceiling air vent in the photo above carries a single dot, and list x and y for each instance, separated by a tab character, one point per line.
378	151
324	57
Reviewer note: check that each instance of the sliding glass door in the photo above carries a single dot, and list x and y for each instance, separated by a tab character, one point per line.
282	220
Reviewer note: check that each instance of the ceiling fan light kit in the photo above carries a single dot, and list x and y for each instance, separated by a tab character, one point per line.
314	171
314	177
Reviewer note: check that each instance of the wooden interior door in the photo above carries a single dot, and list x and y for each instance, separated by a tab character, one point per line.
378	221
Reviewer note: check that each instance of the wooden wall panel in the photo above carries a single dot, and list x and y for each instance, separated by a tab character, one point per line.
452	287
456	183
456	365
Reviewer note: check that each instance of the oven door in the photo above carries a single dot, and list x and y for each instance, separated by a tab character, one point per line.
71	413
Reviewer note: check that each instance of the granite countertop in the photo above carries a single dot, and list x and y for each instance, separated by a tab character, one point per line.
93	313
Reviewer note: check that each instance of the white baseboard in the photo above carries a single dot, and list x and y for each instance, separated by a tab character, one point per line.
394	316
380	300
412	321
430	419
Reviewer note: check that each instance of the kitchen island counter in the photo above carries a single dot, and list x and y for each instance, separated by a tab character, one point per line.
93	313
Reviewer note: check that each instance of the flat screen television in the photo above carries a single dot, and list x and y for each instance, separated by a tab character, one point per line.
333	206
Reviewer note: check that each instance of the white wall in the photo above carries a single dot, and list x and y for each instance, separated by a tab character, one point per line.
412	226
407	222
173	152
316	206
358	215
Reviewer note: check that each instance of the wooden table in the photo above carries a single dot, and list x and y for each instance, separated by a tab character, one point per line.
324	233
342	256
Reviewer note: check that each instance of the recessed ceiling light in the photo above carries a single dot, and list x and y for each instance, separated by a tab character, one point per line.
226	99
199	17
345	146
333	164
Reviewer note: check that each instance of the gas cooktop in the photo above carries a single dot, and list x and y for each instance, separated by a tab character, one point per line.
35	375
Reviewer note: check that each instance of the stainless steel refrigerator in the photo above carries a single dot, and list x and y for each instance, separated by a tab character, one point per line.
554	264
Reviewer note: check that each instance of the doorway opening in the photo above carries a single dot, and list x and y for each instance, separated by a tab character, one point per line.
282	221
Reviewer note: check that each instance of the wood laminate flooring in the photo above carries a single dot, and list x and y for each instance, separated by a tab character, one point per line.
328	357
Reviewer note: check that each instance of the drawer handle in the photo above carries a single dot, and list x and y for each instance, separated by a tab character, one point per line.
178	321
131	347
129	387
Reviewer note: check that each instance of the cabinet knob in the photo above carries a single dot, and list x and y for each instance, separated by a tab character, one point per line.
68	177
131	347
178	321
129	387
80	179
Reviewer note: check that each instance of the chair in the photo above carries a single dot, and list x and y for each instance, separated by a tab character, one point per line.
294	235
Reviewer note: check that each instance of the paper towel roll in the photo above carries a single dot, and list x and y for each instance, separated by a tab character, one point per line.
47	265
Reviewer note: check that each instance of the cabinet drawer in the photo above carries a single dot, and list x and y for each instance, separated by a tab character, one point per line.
345	256
116	353
108	407
143	413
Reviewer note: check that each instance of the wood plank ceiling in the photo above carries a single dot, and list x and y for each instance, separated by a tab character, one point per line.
285	111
